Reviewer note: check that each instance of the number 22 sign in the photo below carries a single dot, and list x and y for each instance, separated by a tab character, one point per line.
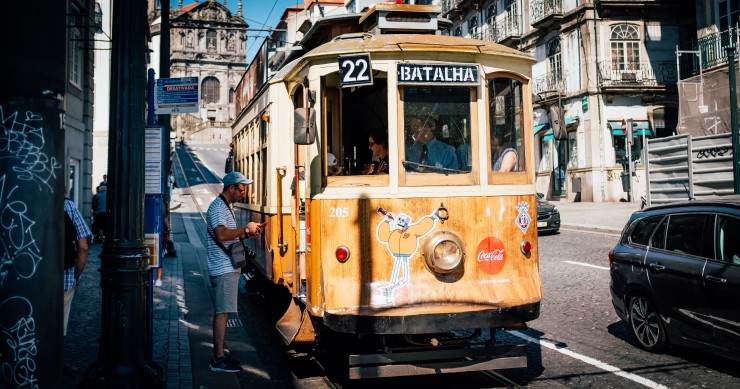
355	70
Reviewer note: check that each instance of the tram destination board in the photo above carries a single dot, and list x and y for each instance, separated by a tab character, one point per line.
176	95
427	73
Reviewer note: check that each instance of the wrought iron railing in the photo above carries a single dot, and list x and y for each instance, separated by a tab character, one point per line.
637	73
548	83
541	9
508	27
486	33
449	5
713	49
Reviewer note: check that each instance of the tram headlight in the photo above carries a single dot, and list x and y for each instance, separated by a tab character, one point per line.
443	252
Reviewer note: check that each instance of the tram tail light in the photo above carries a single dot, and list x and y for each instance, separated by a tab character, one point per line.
525	247
342	254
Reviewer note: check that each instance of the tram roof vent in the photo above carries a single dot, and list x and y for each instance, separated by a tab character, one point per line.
388	18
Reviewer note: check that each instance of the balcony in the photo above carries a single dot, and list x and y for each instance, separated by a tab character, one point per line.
548	83
637	76
545	13
452	8
508	29
713	51
607	7
486	33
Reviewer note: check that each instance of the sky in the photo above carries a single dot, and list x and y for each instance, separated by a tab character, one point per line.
259	14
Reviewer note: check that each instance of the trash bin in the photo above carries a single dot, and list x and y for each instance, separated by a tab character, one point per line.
626	181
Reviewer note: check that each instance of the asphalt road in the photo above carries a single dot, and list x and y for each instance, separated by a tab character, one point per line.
578	341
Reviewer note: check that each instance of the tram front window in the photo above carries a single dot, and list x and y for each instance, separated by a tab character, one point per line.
437	136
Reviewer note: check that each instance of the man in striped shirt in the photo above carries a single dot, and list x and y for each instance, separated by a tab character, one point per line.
223	231
72	274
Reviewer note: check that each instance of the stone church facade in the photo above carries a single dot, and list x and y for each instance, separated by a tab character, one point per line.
207	41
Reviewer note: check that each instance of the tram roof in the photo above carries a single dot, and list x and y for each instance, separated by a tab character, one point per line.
387	43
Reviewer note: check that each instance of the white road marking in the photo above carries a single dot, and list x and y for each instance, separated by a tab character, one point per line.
591	361
197	200
587	265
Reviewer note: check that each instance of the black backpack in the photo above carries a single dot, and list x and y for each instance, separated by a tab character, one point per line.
70	242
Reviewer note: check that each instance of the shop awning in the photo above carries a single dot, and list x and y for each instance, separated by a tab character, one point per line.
640	127
548	135
541	127
571	119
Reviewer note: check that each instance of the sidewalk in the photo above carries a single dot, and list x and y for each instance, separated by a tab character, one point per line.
598	217
182	314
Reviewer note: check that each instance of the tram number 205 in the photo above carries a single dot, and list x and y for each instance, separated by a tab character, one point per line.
338	212
355	70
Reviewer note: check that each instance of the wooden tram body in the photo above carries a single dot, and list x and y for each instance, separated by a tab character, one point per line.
415	252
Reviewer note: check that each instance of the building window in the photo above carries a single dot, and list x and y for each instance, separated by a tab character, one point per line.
75	48
554	61
231	95
729	14
625	43
209	90
491	13
458	31
211	40
473	26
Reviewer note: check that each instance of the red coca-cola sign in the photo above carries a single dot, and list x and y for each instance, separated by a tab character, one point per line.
491	255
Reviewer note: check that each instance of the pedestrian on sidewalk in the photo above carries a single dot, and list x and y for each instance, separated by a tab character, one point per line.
223	231
76	234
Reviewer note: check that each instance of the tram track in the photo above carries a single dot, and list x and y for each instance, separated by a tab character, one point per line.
201	186
195	181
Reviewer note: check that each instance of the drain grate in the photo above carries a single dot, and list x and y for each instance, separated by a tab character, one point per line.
234	323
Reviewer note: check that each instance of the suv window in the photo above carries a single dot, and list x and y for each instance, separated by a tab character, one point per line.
644	229
658	241
728	231
690	234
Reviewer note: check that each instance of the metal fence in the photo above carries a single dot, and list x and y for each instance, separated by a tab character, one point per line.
683	167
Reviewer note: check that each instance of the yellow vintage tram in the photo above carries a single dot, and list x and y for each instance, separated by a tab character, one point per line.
440	239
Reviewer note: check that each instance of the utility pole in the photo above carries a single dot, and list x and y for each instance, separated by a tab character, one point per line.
733	121
121	359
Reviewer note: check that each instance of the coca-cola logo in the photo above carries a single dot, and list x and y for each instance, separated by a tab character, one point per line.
491	256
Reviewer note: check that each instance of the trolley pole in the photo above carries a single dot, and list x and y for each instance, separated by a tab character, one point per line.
121	359
733	121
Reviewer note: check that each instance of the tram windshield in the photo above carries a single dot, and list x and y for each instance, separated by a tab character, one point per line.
437	129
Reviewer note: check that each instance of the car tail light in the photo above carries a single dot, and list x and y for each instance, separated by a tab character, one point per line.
342	254
611	257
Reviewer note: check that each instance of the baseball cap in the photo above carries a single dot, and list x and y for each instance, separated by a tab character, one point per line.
235	178
331	160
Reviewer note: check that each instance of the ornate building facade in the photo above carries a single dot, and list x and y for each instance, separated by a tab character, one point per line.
209	42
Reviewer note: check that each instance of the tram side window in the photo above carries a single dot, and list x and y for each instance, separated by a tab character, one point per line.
506	122
437	129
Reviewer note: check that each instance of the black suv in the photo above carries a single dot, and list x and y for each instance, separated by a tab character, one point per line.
675	275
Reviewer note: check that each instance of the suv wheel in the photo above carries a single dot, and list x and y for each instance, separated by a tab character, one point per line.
646	324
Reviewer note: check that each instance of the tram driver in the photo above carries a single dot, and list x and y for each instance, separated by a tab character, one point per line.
426	153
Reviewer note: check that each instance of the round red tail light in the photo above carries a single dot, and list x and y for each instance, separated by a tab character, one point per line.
342	254
525	247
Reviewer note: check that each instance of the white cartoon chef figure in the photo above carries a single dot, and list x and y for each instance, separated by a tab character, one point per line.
402	239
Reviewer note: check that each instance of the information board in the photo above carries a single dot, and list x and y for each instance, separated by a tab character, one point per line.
176	95
153	161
